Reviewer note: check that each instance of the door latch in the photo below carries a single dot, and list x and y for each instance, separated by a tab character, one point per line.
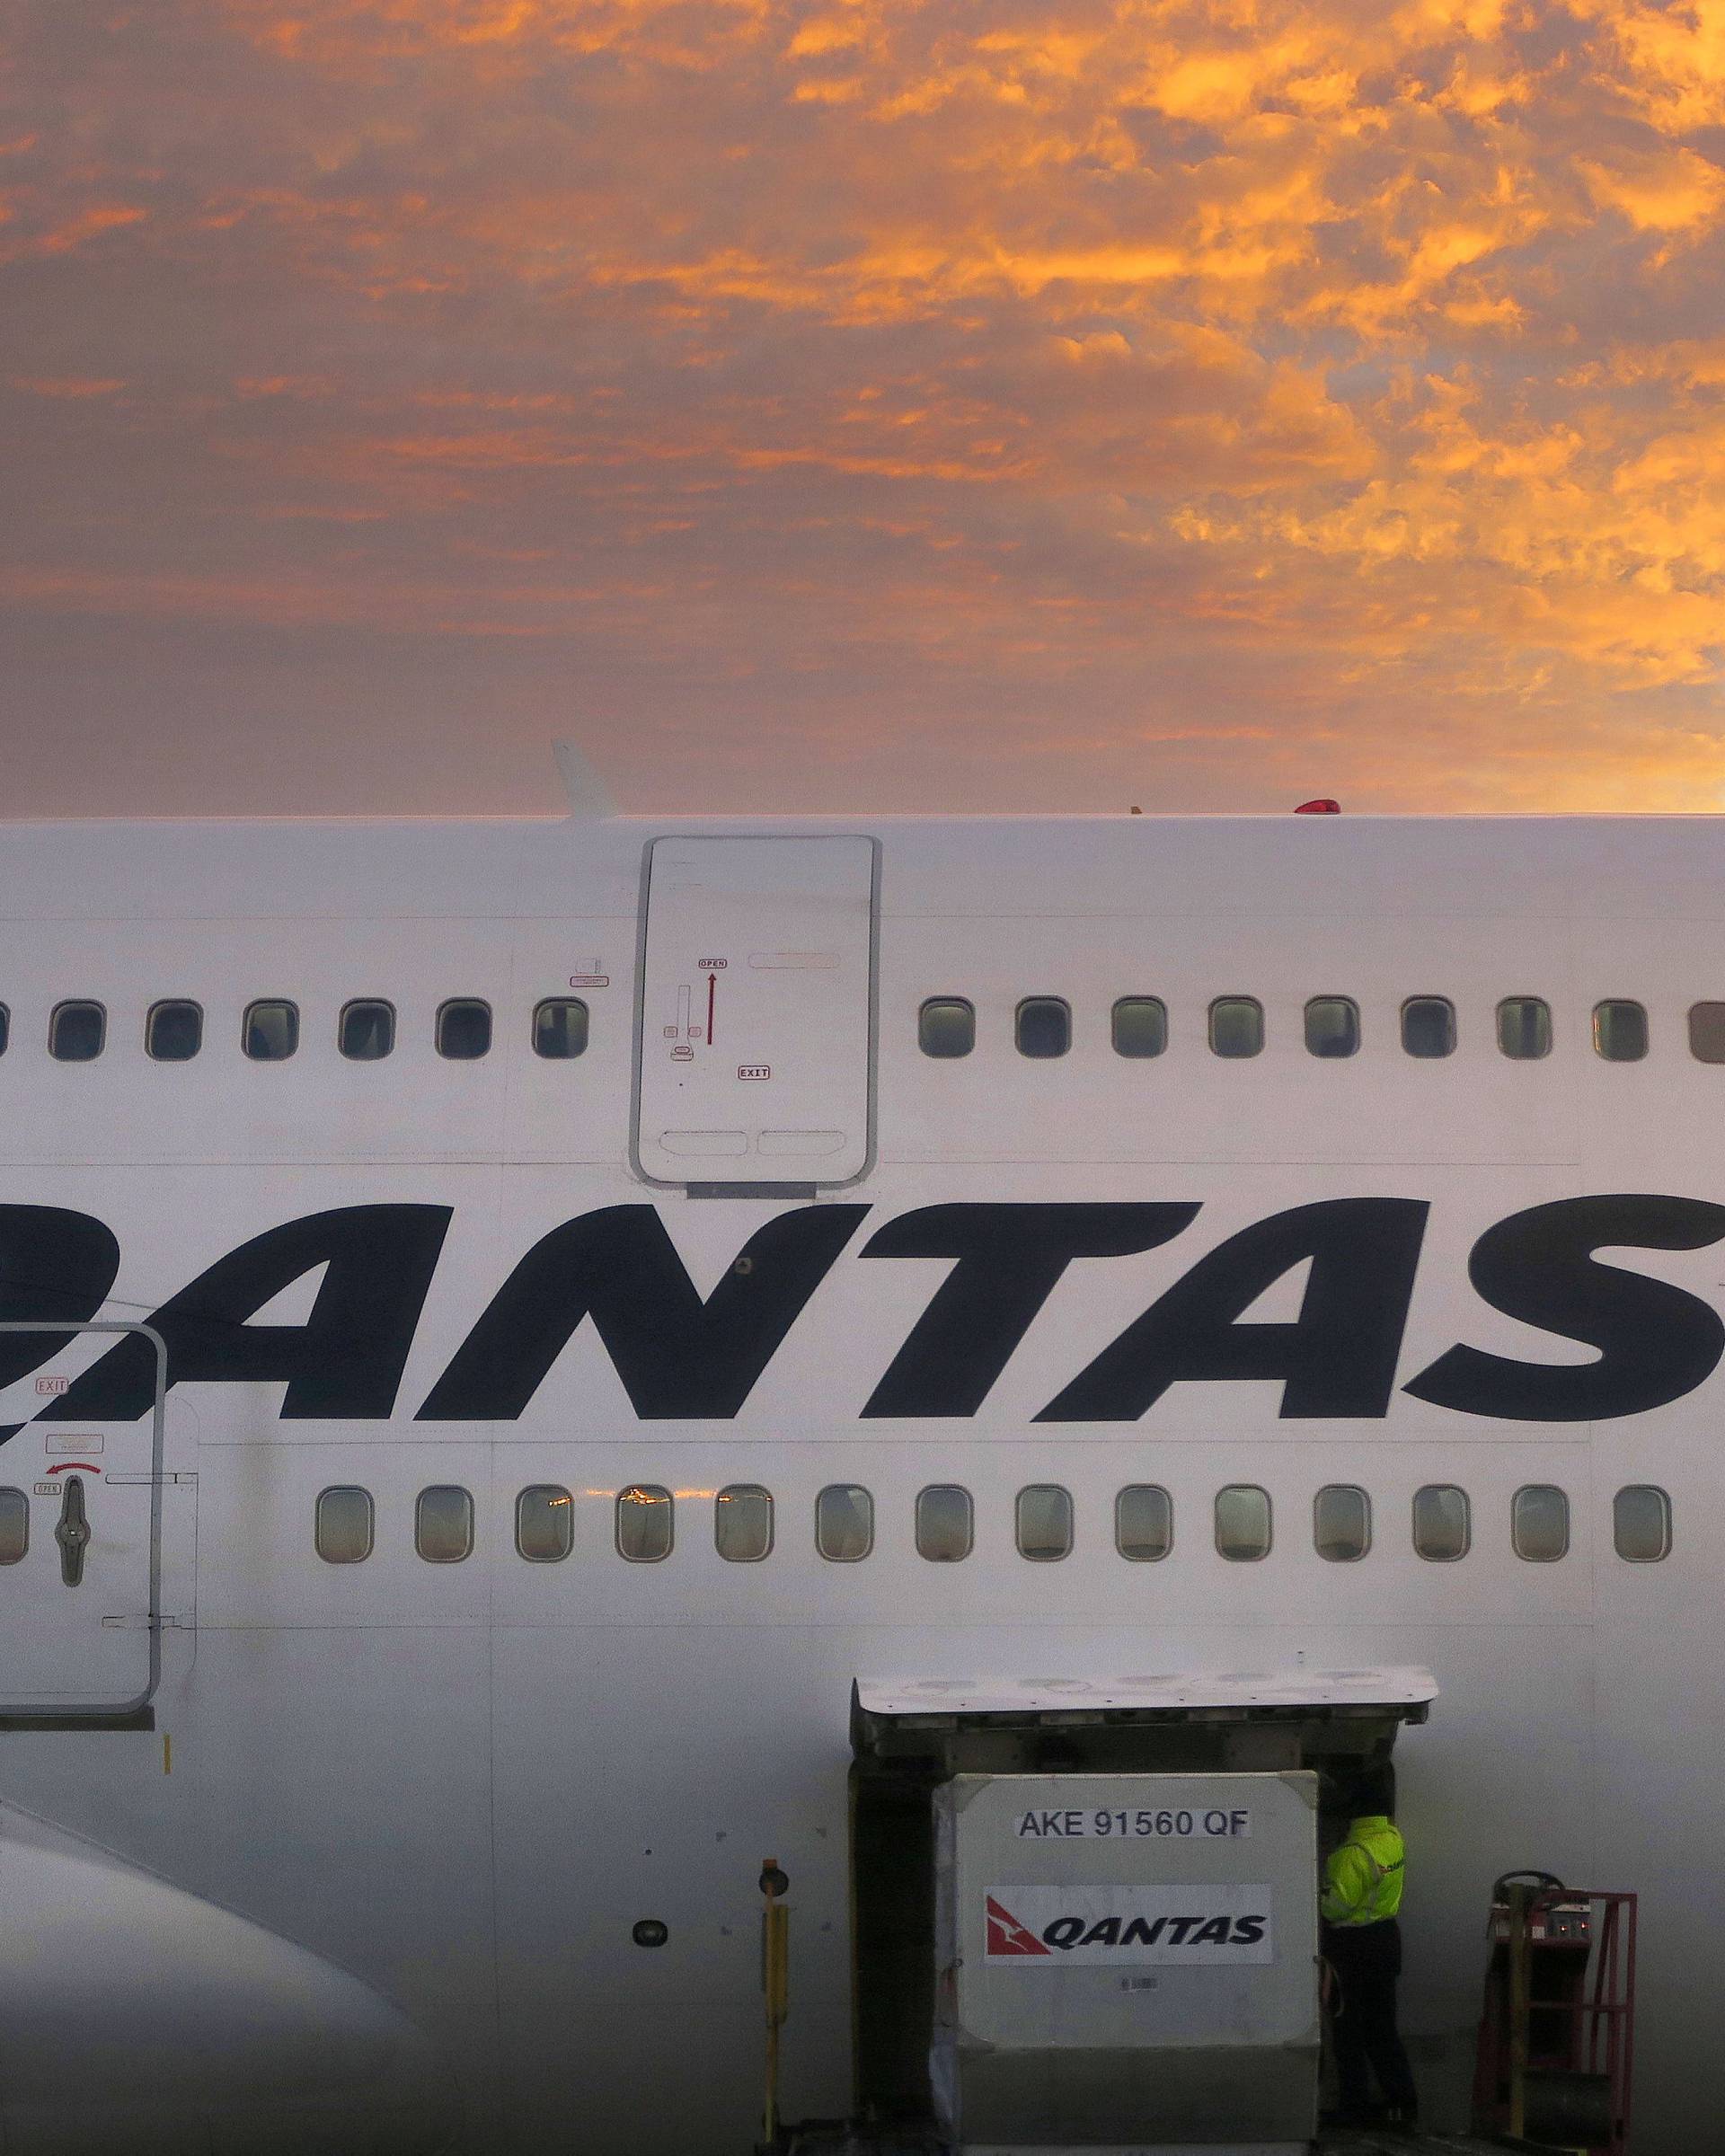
73	1534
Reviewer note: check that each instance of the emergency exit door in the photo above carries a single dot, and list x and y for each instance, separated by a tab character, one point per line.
757	1047
80	1539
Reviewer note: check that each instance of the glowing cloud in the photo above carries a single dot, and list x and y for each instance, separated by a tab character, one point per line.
1179	401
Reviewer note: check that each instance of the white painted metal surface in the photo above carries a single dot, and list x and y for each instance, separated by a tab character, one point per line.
1093	1909
755	1009
79	1594
1171	1976
1194	1688
192	2028
466	1783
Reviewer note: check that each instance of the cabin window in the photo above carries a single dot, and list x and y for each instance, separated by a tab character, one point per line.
14	1525
443	1524
944	1524
742	1523
946	1027
1620	1031
344	1524
560	1029
1443	1528
1706	1032
1524	1028
1331	1026
270	1033
1341	1522
5	1029
1139	1025
1237	1025
1043	1026
173	1033
1641	1524
1539	1524
1429	1026
1243	1522
76	1032
1043	1522
367	1030
1144	1523
843	1523
644	1523
544	1524
465	1029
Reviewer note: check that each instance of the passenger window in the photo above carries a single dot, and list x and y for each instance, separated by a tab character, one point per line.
1620	1031
1243	1522
1539	1524
1341	1522
5	1029
1443	1529
14	1525
443	1524
544	1524
1144	1523
944	1522
742	1523
173	1033
1429	1026
76	1032
644	1522
1706	1032
1641	1524
1139	1025
367	1030
1043	1522
271	1031
344	1526
1524	1028
946	1027
843	1523
560	1029
1043	1026
1237	1025
465	1029
1331	1026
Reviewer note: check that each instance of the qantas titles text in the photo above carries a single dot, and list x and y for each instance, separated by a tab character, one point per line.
680	1356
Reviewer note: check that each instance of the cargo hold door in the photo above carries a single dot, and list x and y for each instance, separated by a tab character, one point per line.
756	1049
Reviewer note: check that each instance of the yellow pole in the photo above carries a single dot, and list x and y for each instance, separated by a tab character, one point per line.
1520	1994
775	1982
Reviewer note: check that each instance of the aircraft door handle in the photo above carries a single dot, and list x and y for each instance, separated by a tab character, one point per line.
73	1534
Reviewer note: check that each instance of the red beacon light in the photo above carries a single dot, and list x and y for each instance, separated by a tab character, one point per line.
1324	808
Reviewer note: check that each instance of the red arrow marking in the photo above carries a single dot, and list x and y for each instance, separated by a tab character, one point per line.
83	1464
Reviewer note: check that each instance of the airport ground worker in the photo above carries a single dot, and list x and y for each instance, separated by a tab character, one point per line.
1362	1942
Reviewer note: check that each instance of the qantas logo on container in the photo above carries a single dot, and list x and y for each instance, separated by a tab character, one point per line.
1174	1926
683	1356
1007	1936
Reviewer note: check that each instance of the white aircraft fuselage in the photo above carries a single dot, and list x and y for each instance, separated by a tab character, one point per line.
347	1850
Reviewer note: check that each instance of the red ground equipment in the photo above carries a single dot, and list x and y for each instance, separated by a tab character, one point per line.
1557	2032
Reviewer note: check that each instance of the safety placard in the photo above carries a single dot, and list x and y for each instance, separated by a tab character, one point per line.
1199	1925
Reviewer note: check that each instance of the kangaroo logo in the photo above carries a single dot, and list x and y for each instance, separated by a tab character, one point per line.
1006	1935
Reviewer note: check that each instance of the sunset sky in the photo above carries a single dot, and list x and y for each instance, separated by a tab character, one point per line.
870	404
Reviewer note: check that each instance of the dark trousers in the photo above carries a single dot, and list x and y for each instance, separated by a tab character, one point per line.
1367	1960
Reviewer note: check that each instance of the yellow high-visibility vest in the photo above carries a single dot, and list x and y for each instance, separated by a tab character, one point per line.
1363	1878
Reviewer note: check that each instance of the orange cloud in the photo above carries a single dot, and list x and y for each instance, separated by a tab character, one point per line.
76	386
1148	366
75	231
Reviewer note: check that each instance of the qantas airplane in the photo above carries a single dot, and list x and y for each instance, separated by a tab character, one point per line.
507	1321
